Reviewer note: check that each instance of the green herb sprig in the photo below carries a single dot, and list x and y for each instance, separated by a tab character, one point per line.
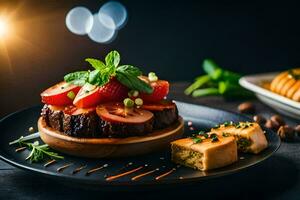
127	75
39	152
25	138
217	82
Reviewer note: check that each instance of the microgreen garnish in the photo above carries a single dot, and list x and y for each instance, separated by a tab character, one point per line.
127	75
225	134
202	133
227	123
196	140
243	125
214	137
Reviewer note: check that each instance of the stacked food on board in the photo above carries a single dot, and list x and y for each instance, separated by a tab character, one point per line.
91	113
116	111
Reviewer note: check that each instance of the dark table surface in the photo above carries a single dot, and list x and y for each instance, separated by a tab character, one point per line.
275	178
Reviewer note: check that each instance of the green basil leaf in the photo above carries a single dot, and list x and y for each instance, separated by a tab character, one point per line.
76	75
79	82
124	80
94	77
130	69
112	59
133	82
97	64
107	73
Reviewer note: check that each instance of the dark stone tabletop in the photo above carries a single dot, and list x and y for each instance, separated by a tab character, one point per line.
275	178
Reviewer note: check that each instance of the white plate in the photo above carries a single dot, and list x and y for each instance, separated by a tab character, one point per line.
280	103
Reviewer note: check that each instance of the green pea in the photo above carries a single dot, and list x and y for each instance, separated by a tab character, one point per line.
128	102
138	101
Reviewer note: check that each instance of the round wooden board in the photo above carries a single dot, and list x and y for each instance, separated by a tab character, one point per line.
110	147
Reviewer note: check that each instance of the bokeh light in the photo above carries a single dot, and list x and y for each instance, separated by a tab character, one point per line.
4	28
79	20
100	33
113	15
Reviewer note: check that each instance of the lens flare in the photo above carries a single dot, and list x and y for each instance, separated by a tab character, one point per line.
113	15
79	20
100	33
3	27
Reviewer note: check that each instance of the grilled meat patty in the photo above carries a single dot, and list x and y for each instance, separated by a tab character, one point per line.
53	115
122	130
86	123
165	113
81	123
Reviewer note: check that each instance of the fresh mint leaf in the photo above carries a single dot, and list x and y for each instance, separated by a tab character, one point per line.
133	82
79	82
97	64
94	77
106	74
77	78
112	59
130	69
128	75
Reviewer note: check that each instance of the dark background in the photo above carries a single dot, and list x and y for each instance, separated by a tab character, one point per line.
168	37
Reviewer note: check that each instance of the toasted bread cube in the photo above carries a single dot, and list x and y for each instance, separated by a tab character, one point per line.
205	155
249	135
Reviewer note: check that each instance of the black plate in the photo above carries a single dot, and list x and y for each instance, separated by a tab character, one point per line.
17	124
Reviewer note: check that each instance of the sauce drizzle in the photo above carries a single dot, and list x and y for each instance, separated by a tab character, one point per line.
60	169
110	178
165	174
49	163
144	174
96	169
78	169
20	149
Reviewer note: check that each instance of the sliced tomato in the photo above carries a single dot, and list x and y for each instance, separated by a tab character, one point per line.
118	113
73	110
58	94
160	90
113	91
159	106
88	96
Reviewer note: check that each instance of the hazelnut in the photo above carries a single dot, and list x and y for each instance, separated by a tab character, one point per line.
297	129
278	119
246	107
272	125
31	129
286	132
259	119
